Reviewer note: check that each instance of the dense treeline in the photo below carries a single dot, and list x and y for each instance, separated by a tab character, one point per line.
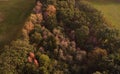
63	37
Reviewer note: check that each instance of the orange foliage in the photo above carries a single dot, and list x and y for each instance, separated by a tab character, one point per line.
43	28
30	59
36	62
39	17
32	55
51	10
28	26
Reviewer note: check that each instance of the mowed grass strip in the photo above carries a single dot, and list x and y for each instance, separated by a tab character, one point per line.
110	10
13	14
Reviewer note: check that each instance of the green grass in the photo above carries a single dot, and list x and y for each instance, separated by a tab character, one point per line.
110	10
13	14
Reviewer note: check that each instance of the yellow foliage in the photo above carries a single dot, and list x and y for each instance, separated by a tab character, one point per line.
26	29
36	18
33	18
57	40
97	52
25	33
56	31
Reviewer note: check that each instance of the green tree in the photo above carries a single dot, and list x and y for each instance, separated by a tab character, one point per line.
14	57
81	35
50	22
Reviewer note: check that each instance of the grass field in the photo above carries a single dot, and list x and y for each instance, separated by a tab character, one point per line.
110	9
13	14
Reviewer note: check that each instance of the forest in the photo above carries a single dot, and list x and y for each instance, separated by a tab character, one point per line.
63	37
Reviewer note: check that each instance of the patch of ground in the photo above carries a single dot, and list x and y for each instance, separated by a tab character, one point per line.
1	17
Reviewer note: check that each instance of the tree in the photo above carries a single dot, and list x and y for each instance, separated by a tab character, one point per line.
50	22
14	57
44	62
36	38
81	36
95	58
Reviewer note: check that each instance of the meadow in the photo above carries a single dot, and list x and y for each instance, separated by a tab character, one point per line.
110	9
13	14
